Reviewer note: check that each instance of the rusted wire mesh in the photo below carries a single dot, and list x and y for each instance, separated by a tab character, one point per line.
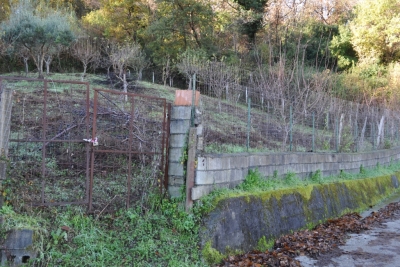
55	159
130	155
47	152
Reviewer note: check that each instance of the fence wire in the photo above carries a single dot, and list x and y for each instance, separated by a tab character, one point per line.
54	159
244	119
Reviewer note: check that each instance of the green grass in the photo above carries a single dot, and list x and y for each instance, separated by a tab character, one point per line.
164	235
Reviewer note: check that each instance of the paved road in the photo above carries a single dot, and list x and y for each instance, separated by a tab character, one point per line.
378	247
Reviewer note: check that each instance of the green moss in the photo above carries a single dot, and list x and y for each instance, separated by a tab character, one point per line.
211	255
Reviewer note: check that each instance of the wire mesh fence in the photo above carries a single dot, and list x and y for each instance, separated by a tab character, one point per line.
47	154
245	119
131	131
66	147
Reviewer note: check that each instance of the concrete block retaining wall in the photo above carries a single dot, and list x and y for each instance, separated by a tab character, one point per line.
228	170
238	223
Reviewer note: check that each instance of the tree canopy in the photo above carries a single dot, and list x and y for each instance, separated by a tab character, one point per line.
39	34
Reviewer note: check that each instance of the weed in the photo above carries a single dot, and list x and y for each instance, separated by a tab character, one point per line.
362	169
264	245
211	255
316	177
387	144
291	178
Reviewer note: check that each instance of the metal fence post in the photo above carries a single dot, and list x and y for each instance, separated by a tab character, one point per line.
337	133
248	124
193	101
356	135
313	132
290	129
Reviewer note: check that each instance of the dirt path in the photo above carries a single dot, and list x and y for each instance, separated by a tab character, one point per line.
379	246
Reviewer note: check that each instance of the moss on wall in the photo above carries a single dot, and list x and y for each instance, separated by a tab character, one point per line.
240	222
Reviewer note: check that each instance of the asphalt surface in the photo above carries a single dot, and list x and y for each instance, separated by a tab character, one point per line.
377	247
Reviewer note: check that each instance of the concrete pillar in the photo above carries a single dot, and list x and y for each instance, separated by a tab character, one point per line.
179	128
5	118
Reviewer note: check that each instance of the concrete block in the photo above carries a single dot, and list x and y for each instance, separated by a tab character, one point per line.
240	161
175	154
177	140
218	163
200	143
238	175
15	248
176	180
204	178
174	191
202	163
199	129
258	160
222	176
296	168
175	169
181	113
179	126
294	158
199	191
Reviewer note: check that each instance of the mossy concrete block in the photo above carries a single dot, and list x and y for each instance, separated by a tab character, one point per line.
395	181
176	180
174	191
238	223
16	249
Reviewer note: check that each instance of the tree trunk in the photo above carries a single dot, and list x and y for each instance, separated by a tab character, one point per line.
39	65
125	90
26	65
48	61
84	72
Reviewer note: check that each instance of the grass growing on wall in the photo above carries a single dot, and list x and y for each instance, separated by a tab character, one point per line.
256	184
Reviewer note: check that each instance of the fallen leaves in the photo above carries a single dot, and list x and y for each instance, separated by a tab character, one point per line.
321	239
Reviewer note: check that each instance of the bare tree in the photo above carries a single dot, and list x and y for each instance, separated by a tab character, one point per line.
87	50
123	57
190	63
219	76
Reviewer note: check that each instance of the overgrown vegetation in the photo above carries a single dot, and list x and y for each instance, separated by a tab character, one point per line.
158	234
